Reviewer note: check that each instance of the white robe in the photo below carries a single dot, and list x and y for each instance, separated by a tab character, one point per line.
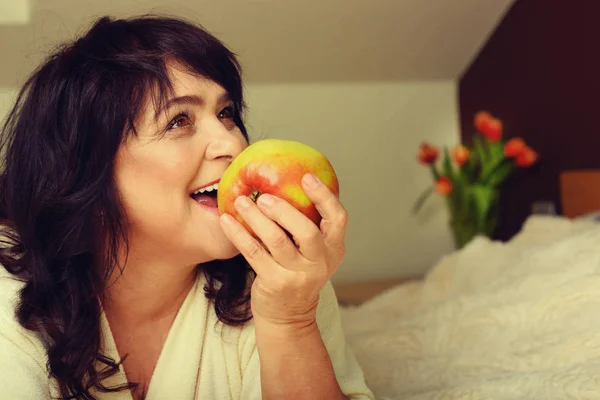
200	359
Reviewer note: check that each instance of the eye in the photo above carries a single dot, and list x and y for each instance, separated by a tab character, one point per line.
226	116
180	121
226	113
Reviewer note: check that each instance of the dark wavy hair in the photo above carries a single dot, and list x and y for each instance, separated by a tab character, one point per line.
59	143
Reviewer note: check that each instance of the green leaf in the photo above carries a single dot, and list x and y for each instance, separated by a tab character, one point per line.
495	161
434	173
480	150
469	168
497	150
488	173
501	173
447	165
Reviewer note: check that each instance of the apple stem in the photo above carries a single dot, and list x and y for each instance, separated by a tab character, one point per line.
254	195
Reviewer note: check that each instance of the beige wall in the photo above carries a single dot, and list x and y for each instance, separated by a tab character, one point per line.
371	133
7	97
15	12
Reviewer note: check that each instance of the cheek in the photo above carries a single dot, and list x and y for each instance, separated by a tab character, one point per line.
151	180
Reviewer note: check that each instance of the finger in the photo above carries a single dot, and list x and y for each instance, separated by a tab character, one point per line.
334	215
275	239
306	234
252	250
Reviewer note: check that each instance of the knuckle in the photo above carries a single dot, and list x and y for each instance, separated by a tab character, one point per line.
341	247
279	241
336	244
342	216
310	235
329	197
253	249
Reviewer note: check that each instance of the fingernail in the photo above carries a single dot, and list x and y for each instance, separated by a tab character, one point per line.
226	219
242	203
265	200
310	181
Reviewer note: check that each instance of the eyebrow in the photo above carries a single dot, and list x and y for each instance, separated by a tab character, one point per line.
189	99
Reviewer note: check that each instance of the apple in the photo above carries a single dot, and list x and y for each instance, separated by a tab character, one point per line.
276	167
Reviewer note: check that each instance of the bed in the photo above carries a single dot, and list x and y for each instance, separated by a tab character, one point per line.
495	320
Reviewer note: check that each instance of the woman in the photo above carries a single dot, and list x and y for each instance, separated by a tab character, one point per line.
120	279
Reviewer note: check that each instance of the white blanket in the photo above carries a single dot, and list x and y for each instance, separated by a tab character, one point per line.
516	320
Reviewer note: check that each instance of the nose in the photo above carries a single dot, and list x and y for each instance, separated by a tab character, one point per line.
224	144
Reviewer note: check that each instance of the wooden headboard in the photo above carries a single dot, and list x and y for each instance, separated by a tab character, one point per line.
580	192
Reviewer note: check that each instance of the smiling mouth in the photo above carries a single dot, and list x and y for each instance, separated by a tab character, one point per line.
206	192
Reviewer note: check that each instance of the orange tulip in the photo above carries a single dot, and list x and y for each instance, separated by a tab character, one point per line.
481	119
490	127
514	147
460	154
427	154
527	158
444	185
493	130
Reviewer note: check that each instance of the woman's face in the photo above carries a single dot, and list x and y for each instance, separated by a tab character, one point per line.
184	147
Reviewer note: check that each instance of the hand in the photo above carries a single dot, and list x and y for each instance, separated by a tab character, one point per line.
290	273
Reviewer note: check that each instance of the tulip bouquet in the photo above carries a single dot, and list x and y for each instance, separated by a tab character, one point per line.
470	178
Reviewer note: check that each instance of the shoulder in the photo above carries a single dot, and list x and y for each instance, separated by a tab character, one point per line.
10	286
23	372
11	332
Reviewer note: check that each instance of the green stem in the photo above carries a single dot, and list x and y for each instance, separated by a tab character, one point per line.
421	200
435	173
489	173
255	195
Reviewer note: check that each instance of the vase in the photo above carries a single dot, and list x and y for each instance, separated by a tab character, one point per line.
473	211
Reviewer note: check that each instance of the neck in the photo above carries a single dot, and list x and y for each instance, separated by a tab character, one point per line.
149	288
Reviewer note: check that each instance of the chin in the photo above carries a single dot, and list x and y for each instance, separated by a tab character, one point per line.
218	250
208	243
226	253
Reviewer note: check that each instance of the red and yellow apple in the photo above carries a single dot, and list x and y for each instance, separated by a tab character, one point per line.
276	167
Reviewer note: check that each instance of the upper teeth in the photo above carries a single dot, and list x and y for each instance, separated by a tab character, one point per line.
207	188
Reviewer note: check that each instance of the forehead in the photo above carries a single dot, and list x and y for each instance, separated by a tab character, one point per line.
185	82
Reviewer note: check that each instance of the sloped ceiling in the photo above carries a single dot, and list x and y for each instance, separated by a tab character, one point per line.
282	40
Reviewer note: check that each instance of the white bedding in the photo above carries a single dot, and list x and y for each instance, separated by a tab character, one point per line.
516	320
